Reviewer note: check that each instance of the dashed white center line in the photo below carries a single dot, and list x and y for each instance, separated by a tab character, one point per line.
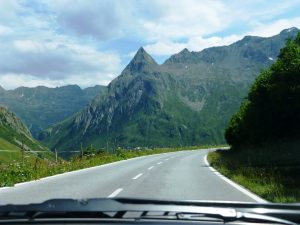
166	159
159	163
115	193
150	168
137	176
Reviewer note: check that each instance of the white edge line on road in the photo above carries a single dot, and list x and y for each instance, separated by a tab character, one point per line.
20	184
3	188
137	176
237	186
151	167
85	169
115	193
91	168
96	167
159	163
26	182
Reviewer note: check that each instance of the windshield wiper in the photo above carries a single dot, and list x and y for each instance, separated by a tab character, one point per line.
218	217
241	217
142	215
140	210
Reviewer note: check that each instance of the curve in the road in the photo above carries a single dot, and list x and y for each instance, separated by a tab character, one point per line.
183	175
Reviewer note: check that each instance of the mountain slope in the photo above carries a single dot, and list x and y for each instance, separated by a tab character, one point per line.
41	107
14	136
188	100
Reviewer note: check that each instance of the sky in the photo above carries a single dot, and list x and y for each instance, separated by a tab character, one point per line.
87	42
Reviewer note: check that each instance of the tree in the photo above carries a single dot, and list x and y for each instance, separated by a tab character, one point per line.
272	108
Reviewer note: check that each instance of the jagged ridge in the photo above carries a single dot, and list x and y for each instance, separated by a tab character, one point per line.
185	101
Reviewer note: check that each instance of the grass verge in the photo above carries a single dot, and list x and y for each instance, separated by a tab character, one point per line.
271	171
33	169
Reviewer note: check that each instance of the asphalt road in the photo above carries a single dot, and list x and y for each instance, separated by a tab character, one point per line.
181	175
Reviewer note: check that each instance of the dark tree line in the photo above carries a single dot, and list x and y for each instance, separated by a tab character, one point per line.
272	109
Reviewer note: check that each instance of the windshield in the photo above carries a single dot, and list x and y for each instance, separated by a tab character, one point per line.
160	100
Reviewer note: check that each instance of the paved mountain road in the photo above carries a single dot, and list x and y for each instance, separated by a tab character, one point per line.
176	176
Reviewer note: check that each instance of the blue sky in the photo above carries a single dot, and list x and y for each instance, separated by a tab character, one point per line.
60	42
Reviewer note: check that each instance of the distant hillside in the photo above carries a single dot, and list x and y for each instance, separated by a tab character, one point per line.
14	136
186	101
41	107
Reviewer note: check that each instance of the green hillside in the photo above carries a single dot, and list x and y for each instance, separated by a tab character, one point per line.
41	107
14	136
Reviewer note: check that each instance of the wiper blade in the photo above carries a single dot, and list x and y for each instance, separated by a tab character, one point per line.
215	217
194	214
252	217
107	209
135	209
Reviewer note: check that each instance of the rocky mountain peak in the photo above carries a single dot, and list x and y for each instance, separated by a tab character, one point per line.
141	61
184	51
185	101
184	56
248	39
289	30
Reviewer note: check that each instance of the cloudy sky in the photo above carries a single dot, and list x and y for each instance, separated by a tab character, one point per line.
60	42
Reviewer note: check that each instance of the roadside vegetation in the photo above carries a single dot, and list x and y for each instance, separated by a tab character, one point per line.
265	132
36	168
271	170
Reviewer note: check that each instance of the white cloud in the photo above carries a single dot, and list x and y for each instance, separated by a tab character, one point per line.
9	10
101	20
11	81
68	41
35	52
274	27
164	48
251	10
193	44
4	30
187	18
193	20
152	20
28	46
199	43
61	61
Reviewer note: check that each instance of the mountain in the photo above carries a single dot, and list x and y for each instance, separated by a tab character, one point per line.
14	135
187	100
41	107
